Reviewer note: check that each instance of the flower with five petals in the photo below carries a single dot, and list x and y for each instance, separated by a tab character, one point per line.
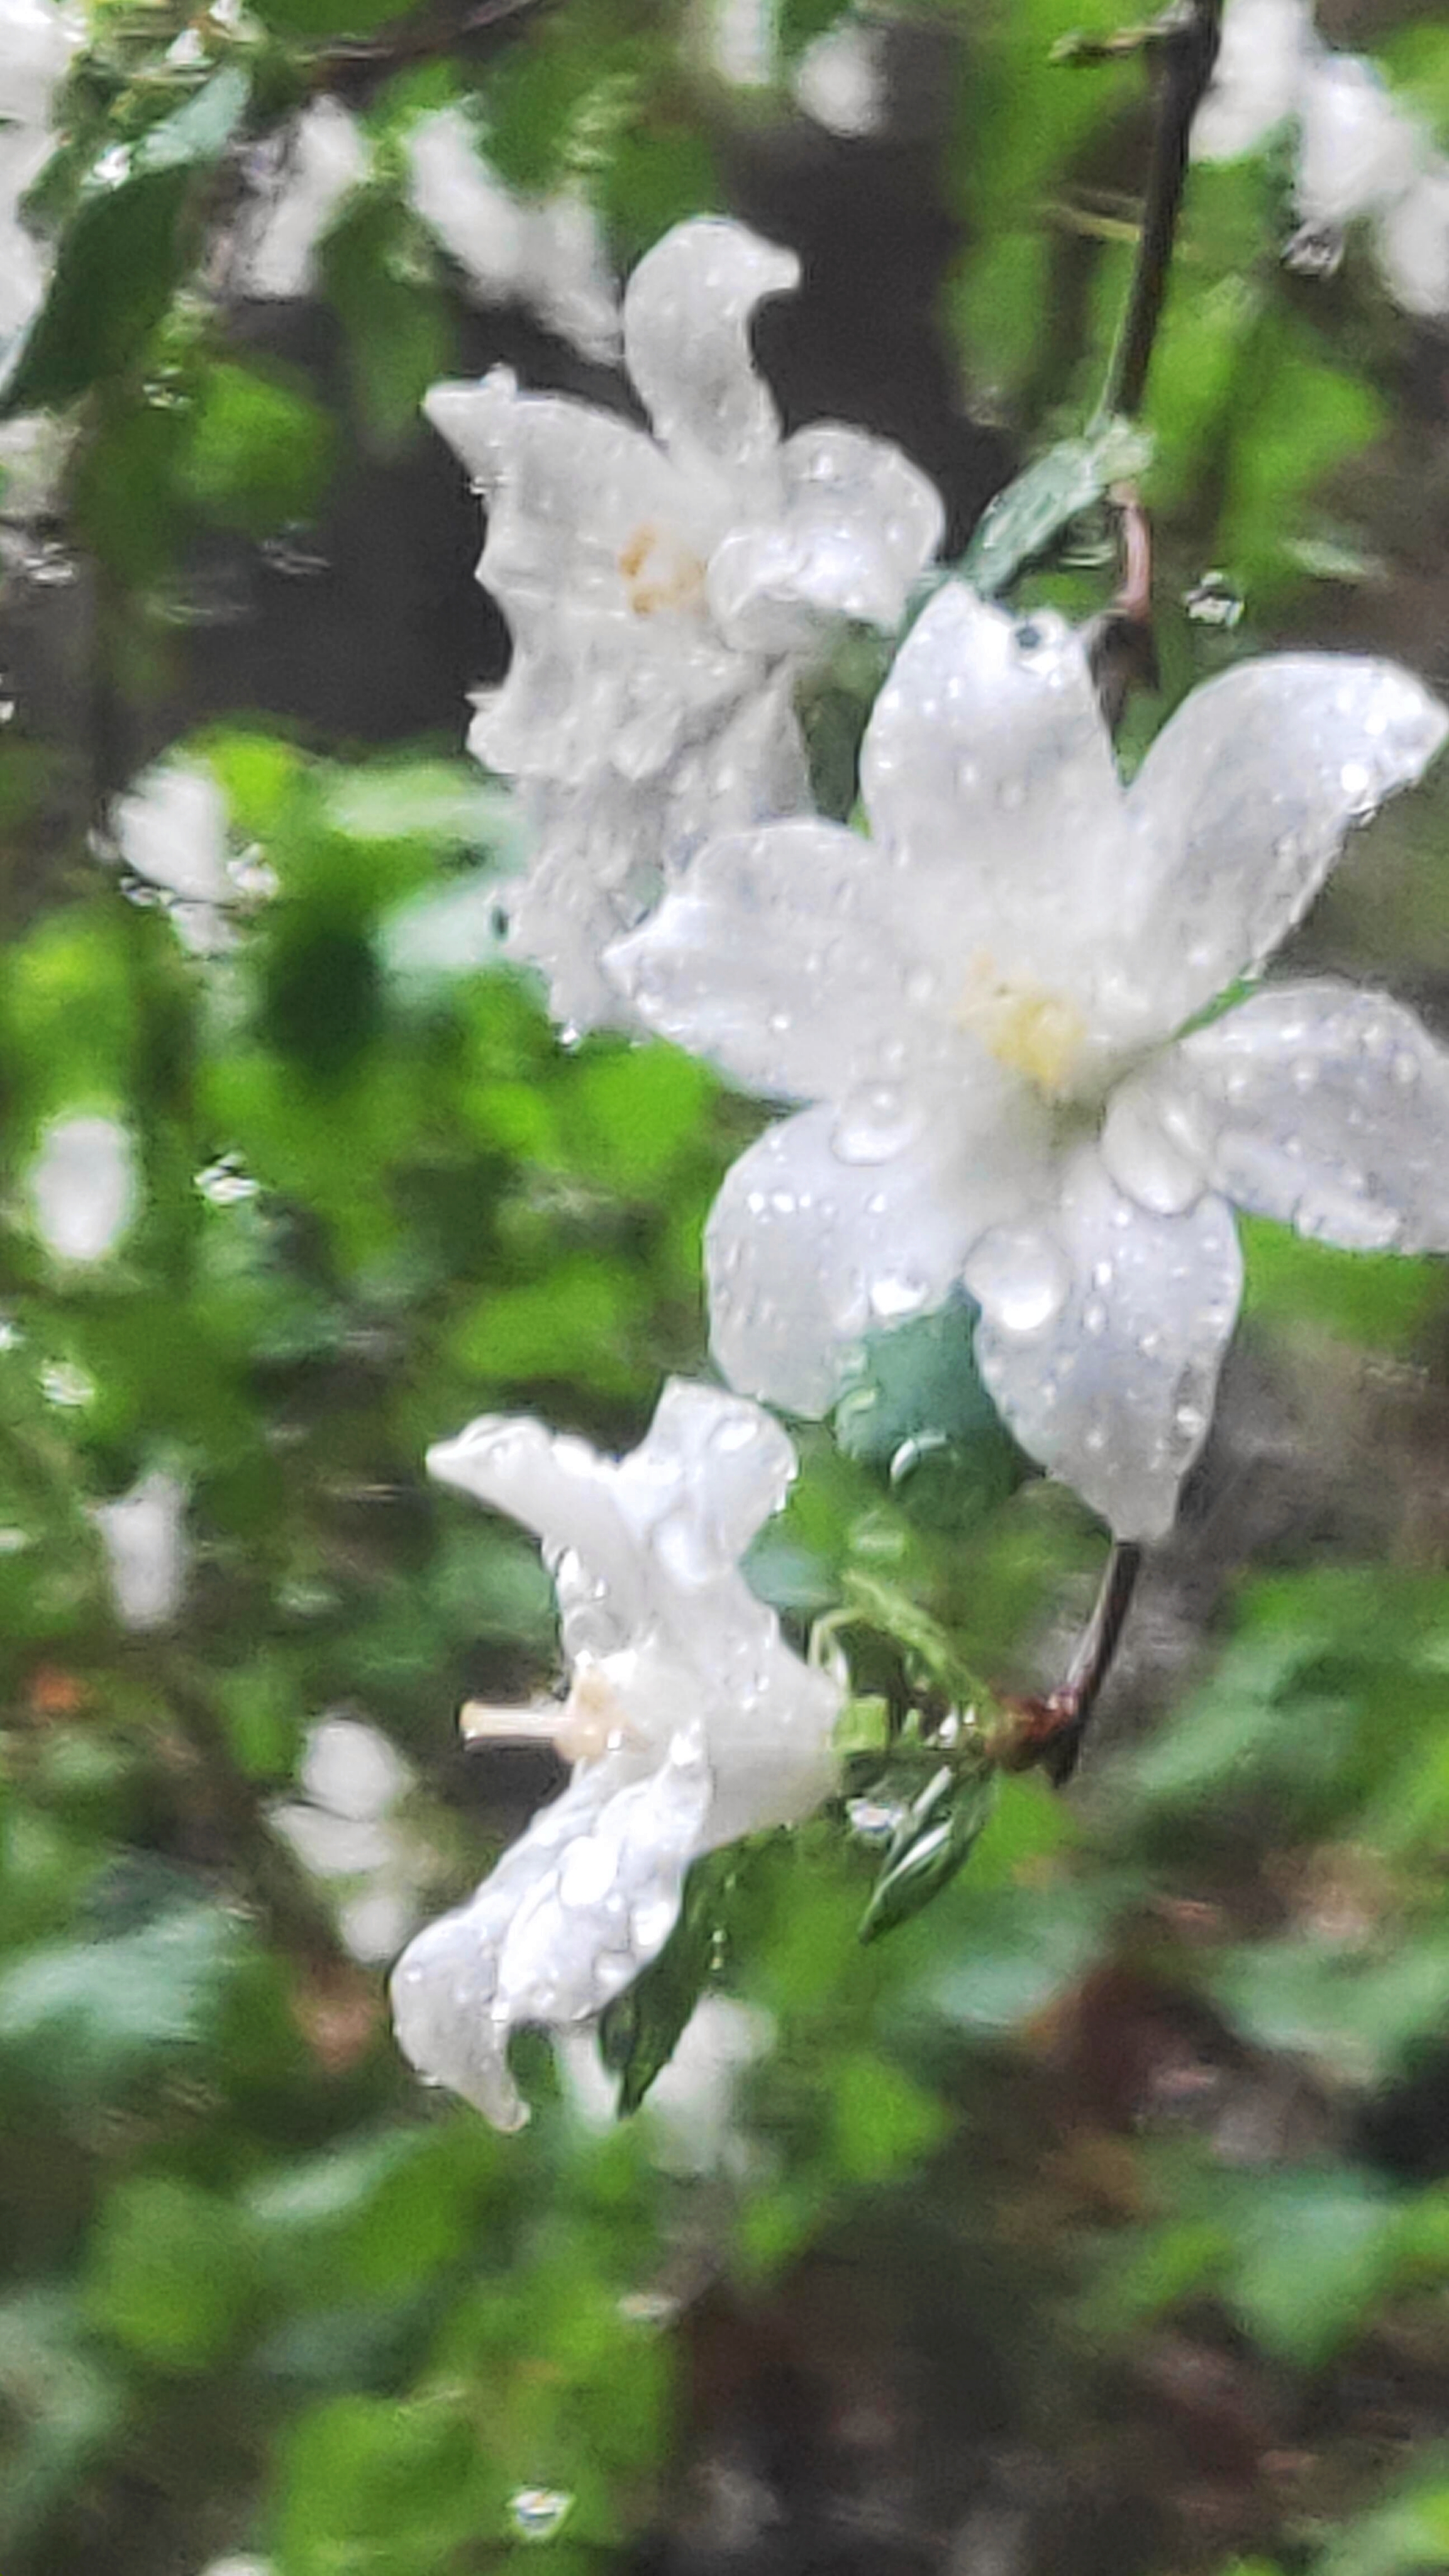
663	592
983	1003
688	1719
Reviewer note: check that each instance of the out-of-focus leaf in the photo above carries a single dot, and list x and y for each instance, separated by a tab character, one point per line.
1314	2252
171	2271
83	2017
1407	2536
1378	1299
914	1405
377	274
387	2487
1361	2017
58	2407
258	452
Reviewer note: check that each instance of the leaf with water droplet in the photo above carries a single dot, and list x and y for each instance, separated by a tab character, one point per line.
914	1405
640	2031
1028	517
934	1839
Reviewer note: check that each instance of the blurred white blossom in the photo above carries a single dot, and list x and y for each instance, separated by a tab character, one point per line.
982	1001
547	255
345	1827
690	2111
36	44
840	79
143	1533
1361	157
322	157
688	1720
170	830
663	593
84	1187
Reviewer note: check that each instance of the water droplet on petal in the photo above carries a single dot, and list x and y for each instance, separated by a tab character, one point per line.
876	1124
897	1294
1020	1278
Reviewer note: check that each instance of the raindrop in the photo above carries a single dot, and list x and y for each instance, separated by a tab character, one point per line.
902	1293
875	1125
649	2308
61	1382
288	556
224	1183
872	1820
1021	1278
910	1453
50	567
1212	601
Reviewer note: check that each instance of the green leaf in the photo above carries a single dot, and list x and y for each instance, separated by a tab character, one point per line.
258	453
1029	516
934	1839
913	1405
1360	2016
371	2486
380	278
1314	2253
83	2017
641	2029
122	256
58	2408
170	2272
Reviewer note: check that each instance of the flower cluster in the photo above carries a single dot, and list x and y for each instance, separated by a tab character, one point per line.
1360	157
997	1014
664	594
688	1720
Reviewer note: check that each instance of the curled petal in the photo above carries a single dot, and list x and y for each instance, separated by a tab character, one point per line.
806	1249
1243	803
1322	1106
706	1477
566	1493
568	280
777	959
586	1897
859	525
687	311
1101	1335
458	198
987	755
325	159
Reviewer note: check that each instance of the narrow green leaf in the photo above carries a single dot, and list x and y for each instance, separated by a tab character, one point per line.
1028	517
641	2029
934	1839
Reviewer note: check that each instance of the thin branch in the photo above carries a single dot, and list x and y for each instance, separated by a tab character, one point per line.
356	61
1185	54
1046	1733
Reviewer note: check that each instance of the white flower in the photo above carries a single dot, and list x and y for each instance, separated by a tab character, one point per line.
691	2105
344	1827
664	592
84	1187
690	1723
324	157
548	255
171	831
36	44
143	1533
982	1002
1360	157
840	80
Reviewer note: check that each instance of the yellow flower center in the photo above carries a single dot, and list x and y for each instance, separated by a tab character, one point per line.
659	572
1028	1029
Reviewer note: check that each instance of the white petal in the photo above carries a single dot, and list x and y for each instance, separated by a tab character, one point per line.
1358	150
84	1187
1323	1106
172	830
1266	49
331	1846
805	1251
564	1491
351	1769
687	311
776	959
1243	803
569	281
572	1912
36	44
1413	245
987	758
324	159
458	197
1101	1335
858	527
143	1533
704	1480
841	80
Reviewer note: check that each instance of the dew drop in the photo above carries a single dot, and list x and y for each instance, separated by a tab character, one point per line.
875	1125
897	1294
61	1382
1020	1277
1212	601
224	1183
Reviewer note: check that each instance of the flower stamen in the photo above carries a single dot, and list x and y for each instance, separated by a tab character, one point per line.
1029	1030
659	572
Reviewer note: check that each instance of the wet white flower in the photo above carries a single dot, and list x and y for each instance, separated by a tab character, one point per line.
171	831
143	1533
547	255
322	159
982	1001
36	44
664	592
1361	157
84	1188
688	1720
840	80
345	1828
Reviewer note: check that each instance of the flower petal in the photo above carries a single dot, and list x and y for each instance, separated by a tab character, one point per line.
586	1897
566	1493
986	757
705	1478
1243	803
1323	1106
806	1251
1266	48
1358	150
458	197
1413	245
1101	1335
687	311
569	282
776	959
859	525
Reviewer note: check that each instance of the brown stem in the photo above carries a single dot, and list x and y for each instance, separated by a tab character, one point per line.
1046	1733
1185	56
352	64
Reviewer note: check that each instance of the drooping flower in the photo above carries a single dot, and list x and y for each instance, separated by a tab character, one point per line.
143	1533
1361	157
983	1004
546	254
321	159
664	592
688	1720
